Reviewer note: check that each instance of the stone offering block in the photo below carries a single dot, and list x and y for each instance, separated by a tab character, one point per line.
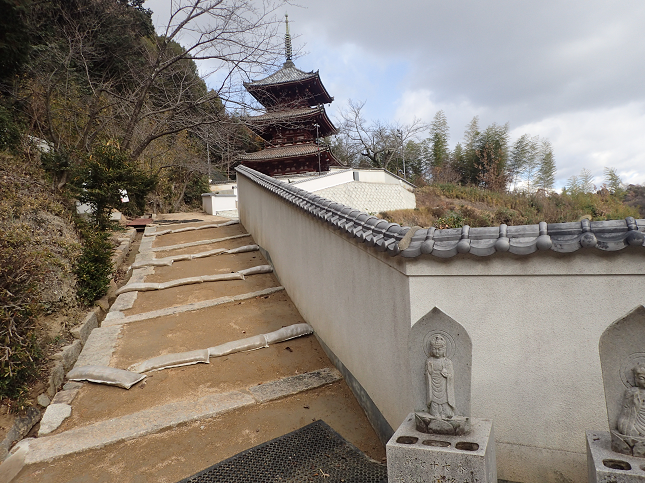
416	457
607	466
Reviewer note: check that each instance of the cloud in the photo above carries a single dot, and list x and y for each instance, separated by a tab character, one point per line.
594	140
569	71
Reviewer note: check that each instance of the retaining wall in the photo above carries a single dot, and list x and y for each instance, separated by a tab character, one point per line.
534	320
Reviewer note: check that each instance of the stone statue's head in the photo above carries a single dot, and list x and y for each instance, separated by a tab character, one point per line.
639	375
437	346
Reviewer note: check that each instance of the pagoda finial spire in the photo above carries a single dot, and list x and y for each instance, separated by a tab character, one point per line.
287	39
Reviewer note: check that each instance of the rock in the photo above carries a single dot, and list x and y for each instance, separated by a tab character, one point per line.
54	417
43	400
82	332
72	385
65	397
56	379
21	427
69	354
103	303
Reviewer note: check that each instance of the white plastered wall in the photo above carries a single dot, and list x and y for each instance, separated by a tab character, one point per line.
534	321
357	304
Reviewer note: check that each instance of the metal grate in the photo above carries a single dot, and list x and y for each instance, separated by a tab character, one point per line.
315	453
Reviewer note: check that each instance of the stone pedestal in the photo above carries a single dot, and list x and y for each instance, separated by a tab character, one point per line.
607	466
415	457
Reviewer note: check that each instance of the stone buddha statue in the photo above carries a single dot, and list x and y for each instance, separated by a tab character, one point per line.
631	421
440	379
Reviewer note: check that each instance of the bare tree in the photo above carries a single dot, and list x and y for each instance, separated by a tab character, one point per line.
379	144
155	90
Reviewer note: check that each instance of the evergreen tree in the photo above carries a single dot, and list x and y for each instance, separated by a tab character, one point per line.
466	165
517	159
573	186
491	157
586	181
613	182
532	163
439	134
546	173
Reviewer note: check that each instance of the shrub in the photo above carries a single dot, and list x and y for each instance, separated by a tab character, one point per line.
19	306
194	190
99	180
10	132
451	220
94	267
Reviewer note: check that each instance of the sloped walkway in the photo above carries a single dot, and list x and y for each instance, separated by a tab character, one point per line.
181	420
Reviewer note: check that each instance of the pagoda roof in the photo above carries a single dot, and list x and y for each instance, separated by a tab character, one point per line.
273	117
283	152
289	74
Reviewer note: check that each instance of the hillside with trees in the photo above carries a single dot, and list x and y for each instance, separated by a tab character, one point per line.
95	101
485	180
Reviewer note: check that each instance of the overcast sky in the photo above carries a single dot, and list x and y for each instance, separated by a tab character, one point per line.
572	72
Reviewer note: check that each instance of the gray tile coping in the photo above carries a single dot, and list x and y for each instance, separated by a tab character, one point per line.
411	242
157	418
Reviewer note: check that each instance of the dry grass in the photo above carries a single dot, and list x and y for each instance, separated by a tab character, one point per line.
452	206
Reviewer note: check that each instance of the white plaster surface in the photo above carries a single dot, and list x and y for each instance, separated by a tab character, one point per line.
370	197
535	322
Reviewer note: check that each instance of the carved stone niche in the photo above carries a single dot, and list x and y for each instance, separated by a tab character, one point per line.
432	327
619	455
439	441
622	357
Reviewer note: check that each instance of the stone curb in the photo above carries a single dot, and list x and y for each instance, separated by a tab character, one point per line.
196	243
89	323
148	260
99	347
132	426
124	245
118	318
292	385
150	286
158	418
192	228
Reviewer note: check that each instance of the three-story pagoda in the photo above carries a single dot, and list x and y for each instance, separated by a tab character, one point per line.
294	120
